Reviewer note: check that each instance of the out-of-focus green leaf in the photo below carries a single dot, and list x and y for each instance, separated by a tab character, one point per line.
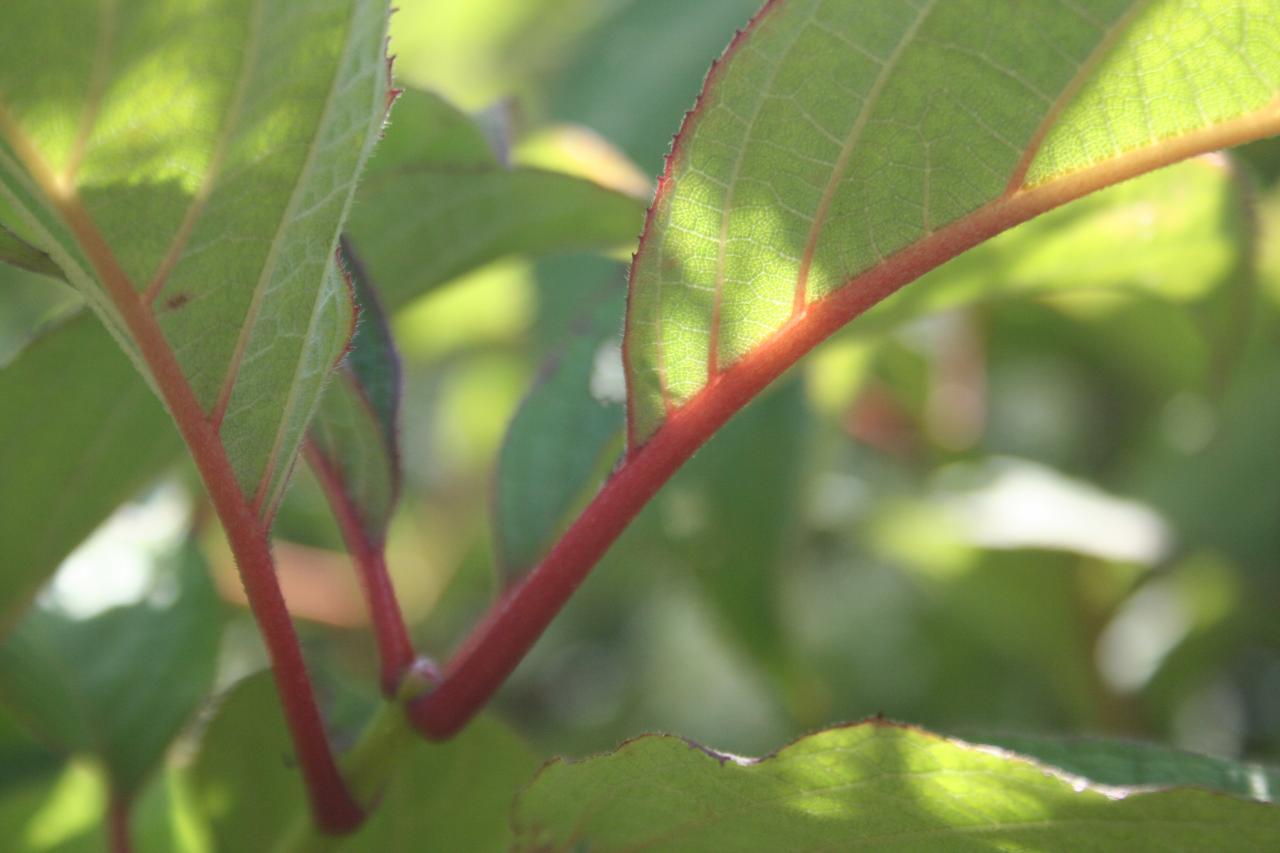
482	51
21	756
354	438
451	796
1207	474
64	812
425	130
79	433
833	137
868	785
244	781
1176	234
1131	763
118	686
437	204
745	487
188	165
635	73
559	437
61	812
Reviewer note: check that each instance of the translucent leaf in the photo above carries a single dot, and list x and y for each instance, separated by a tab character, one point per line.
187	166
840	150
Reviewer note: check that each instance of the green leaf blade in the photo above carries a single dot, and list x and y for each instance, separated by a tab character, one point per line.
781	193
202	164
1148	87
873	785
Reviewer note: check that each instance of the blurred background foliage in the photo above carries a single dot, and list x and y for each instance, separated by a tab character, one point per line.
1037	493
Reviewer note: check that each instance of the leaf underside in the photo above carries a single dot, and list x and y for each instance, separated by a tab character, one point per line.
873	785
189	175
833	136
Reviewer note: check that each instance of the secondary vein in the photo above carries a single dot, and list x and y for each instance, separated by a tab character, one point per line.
842	162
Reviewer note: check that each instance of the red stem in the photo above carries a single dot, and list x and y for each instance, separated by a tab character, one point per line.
119	838
334	808
395	650
515	622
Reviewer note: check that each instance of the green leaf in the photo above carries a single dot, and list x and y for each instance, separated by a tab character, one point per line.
354	440
872	784
558	440
119	685
244	780
437	203
79	434
1176	233
841	150
187	166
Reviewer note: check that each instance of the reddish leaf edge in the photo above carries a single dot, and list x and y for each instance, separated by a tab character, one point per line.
516	620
